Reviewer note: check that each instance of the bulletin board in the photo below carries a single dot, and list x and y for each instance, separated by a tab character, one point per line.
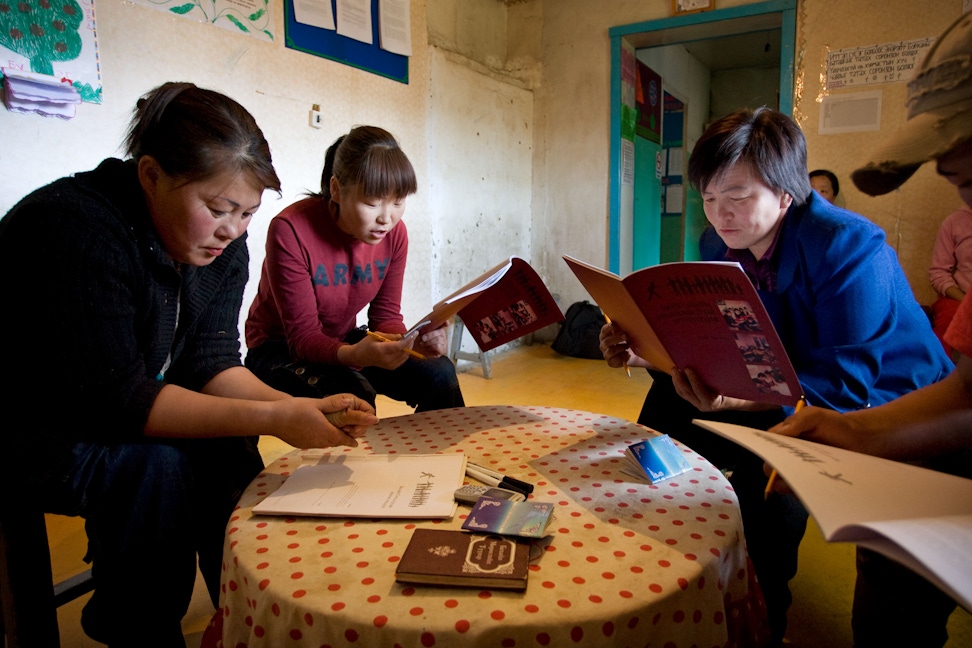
331	45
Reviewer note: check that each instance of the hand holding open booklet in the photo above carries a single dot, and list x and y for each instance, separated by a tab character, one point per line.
503	304
921	518
703	315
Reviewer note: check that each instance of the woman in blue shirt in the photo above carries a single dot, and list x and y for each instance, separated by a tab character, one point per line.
837	296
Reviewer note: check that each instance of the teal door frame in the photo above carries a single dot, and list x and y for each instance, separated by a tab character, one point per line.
787	11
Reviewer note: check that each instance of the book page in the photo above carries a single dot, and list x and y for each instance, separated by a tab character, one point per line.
346	485
608	291
711	319
936	548
445	309
920	517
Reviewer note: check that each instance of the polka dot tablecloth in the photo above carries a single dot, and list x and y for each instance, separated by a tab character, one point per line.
627	564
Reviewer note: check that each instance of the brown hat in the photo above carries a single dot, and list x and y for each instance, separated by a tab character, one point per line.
939	113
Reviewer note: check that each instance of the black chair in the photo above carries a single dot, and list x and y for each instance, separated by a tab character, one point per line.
29	596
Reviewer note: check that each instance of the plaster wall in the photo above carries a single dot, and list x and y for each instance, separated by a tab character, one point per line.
752	88
545	58
140	47
572	108
481	153
910	215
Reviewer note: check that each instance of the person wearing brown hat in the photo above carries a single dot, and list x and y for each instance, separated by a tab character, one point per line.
893	606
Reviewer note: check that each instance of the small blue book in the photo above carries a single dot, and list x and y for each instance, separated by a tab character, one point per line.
655	459
504	517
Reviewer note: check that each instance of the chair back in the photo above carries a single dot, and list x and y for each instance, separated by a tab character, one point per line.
28	594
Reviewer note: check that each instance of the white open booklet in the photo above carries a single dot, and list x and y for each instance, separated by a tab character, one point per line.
921	518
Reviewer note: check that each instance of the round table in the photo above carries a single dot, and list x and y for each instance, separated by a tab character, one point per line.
628	563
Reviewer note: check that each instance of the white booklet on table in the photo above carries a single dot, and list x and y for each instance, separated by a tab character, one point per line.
374	486
921	518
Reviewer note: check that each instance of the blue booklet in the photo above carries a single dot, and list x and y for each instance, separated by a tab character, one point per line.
504	517
655	459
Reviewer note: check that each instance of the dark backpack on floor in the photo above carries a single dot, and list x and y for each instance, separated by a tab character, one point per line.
580	331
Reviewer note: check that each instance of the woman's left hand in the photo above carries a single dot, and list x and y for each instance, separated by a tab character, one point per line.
434	343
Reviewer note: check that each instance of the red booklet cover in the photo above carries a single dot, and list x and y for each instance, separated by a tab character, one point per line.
704	315
503	304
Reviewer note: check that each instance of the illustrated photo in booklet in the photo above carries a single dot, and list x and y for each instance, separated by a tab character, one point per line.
503	304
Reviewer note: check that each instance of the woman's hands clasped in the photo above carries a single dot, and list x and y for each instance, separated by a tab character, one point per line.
338	420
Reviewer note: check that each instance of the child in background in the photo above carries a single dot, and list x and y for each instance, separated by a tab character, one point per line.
951	268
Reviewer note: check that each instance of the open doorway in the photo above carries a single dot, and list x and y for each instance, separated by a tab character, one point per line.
694	52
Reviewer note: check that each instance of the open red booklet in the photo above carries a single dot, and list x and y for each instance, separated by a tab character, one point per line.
703	315
501	305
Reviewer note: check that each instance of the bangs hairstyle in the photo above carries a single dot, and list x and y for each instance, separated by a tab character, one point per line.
195	134
769	142
370	159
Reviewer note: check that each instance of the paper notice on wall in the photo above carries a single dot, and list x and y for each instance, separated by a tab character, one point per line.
394	27
316	13
874	64
851	113
354	20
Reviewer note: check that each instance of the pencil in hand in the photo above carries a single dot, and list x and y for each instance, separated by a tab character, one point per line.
771	483
382	338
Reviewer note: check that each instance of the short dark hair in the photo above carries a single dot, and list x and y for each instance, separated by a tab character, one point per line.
369	157
767	140
195	134
829	175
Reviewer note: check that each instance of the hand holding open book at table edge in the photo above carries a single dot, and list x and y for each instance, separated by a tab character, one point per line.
617	353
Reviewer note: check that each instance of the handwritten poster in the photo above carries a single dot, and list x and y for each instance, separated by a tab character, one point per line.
57	39
250	17
874	64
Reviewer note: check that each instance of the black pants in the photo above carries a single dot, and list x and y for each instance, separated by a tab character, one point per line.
151	509
775	526
428	384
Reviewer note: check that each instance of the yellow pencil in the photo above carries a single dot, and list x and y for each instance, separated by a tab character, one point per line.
411	352
773	475
627	369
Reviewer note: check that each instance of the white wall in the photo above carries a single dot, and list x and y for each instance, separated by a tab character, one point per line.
478	134
557	51
482	150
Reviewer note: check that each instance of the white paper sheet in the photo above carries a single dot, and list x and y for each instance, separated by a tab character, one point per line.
354	20
394	26
377	486
316	13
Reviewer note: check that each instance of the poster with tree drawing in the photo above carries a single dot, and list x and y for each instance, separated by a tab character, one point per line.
53	38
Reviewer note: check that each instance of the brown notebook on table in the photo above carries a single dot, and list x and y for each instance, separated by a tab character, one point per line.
456	558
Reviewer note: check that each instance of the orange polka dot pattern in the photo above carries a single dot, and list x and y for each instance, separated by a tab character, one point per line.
627	564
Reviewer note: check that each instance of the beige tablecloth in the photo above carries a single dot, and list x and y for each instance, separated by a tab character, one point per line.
628	563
